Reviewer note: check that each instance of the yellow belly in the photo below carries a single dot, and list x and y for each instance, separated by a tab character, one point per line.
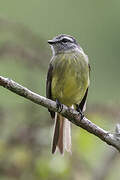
70	79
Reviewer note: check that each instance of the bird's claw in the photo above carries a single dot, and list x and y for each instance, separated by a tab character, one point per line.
59	106
80	112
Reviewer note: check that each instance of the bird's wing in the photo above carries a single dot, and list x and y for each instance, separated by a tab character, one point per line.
82	104
48	87
89	68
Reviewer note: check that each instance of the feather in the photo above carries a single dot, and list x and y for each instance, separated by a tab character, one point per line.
62	134
67	135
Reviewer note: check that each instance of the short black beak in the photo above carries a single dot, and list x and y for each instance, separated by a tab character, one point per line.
51	42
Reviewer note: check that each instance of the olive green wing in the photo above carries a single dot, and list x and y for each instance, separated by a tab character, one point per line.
89	68
82	104
48	87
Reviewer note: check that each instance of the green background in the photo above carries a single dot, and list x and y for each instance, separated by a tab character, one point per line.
26	128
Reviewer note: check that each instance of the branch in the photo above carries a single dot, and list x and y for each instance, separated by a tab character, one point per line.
72	115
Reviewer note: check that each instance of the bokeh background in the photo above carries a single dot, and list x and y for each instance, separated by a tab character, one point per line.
26	128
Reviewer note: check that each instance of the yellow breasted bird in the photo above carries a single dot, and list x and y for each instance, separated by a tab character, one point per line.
67	83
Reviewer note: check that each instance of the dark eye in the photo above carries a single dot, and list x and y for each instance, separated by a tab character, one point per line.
64	40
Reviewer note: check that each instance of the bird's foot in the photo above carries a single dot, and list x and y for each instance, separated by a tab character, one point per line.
59	106
80	112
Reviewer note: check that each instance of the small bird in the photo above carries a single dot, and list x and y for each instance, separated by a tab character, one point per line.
67	83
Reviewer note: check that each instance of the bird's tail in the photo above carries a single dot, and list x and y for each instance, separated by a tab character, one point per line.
62	134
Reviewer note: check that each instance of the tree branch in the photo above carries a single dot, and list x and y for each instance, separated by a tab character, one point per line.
72	115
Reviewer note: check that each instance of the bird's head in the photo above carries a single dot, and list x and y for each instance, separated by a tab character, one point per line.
63	43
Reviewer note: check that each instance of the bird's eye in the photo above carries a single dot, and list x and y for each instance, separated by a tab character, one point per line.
64	40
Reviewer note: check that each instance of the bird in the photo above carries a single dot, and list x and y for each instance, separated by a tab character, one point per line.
67	83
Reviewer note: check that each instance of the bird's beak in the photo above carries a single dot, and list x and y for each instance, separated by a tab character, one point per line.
51	42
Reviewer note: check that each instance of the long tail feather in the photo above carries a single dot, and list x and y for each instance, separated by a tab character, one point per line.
60	140
62	134
67	135
56	133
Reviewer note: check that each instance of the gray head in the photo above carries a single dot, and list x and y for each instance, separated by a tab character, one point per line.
63	43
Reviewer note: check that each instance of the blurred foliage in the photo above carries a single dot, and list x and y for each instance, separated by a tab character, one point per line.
26	128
